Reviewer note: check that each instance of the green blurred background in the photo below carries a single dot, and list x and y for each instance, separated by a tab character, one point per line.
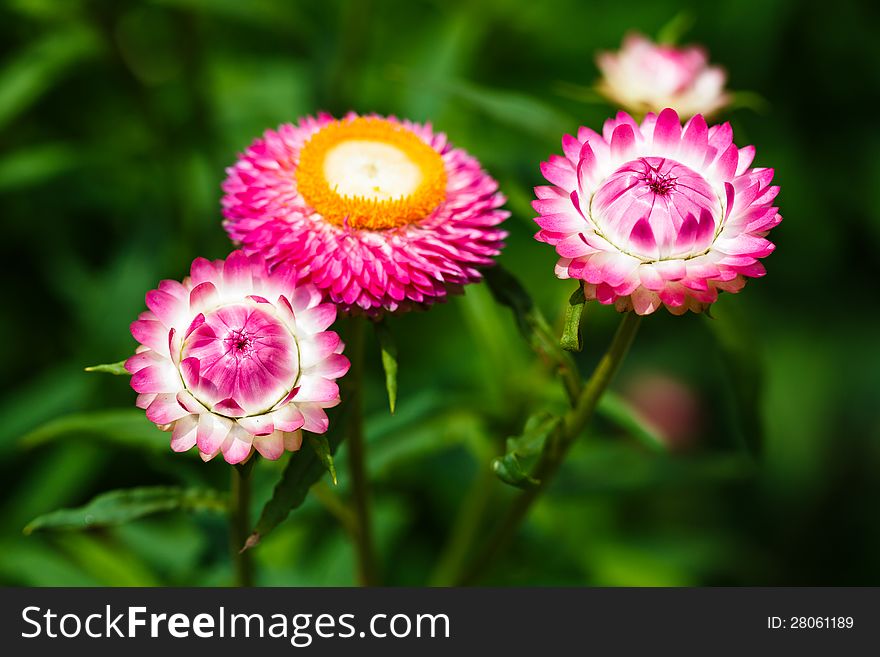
116	122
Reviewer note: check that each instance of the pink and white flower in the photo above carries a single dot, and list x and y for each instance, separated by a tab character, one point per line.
646	77
657	214
379	214
235	358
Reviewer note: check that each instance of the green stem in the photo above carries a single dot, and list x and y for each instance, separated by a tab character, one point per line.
465	529
240	494
554	453
363	538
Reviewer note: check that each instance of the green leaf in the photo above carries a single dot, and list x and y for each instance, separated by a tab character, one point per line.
321	446
671	33
609	466
37	164
36	69
49	394
128	427
508	291
516	110
302	471
539	430
389	360
619	411
572	338
121	506
29	562
105	559
509	470
110	368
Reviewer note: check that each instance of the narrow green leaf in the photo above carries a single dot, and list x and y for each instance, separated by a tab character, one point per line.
36	563
110	368
672	32
321	446
120	506
619	411
572	338
302	471
128	427
512	468
49	394
508	291
520	111
389	360
36	164
34	70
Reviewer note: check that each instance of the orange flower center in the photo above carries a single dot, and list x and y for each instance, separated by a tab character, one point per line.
370	174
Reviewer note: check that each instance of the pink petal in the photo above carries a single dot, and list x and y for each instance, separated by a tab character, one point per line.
623	141
288	418
316	419
237	271
696	138
164	306
270	447
317	319
667	131
183	436
164	409
203	297
316	389
257	425
212	432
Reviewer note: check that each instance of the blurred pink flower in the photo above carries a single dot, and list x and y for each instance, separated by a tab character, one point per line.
379	214
235	359
668	405
656	214
646	77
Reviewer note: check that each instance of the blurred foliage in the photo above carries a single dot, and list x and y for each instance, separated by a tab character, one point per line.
117	119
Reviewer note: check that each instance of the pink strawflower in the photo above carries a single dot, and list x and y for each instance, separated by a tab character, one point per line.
235	359
646	77
657	214
379	214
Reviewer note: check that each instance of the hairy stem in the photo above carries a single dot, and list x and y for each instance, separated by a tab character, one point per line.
240	522
368	574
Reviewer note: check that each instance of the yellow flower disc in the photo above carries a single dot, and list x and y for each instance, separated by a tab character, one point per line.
369	173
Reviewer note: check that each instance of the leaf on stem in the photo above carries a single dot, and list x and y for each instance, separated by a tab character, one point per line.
389	360
540	428
572	338
508	291
110	368
321	446
121	506
302	471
